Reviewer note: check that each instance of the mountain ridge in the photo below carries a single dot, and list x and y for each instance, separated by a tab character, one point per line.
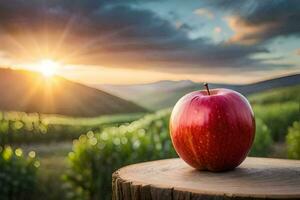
28	91
161	97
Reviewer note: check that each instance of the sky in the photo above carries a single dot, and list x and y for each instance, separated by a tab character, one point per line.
140	41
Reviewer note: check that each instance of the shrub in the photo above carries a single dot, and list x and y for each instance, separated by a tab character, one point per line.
293	141
263	140
17	174
96	156
278	117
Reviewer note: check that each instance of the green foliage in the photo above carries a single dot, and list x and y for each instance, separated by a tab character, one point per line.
263	140
17	127
96	156
111	143
53	159
278	117
293	140
278	95
278	109
50	182
17	174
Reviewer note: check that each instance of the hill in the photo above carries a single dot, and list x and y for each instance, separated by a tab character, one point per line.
277	96
165	94
31	92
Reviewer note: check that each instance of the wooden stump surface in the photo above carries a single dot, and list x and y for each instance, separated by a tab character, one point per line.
173	179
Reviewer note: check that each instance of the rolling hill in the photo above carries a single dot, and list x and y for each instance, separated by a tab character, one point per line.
165	94
31	92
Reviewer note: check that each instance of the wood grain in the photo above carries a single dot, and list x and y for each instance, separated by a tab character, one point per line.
172	179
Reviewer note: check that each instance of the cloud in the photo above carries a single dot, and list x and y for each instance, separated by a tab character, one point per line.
205	13
257	21
114	33
248	34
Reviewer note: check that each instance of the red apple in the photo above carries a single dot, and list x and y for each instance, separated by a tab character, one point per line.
212	129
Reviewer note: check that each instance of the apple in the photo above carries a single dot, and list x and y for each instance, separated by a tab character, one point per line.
212	129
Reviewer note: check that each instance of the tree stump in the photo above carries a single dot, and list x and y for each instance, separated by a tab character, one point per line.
173	179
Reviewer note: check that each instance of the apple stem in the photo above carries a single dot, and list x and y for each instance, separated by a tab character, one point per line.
206	85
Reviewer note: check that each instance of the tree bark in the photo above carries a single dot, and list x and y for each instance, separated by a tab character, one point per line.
172	179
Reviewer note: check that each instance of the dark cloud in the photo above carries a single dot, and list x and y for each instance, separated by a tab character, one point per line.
112	33
258	21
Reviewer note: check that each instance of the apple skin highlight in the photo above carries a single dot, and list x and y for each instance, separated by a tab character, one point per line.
212	131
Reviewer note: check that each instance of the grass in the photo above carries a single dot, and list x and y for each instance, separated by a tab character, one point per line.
67	120
20	128
91	121
280	95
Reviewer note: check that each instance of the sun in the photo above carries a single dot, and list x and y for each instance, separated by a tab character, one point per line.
48	67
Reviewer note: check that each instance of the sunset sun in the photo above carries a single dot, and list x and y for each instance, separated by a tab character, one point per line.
48	67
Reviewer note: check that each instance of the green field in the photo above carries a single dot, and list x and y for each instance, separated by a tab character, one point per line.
81	168
280	95
20	127
51	138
